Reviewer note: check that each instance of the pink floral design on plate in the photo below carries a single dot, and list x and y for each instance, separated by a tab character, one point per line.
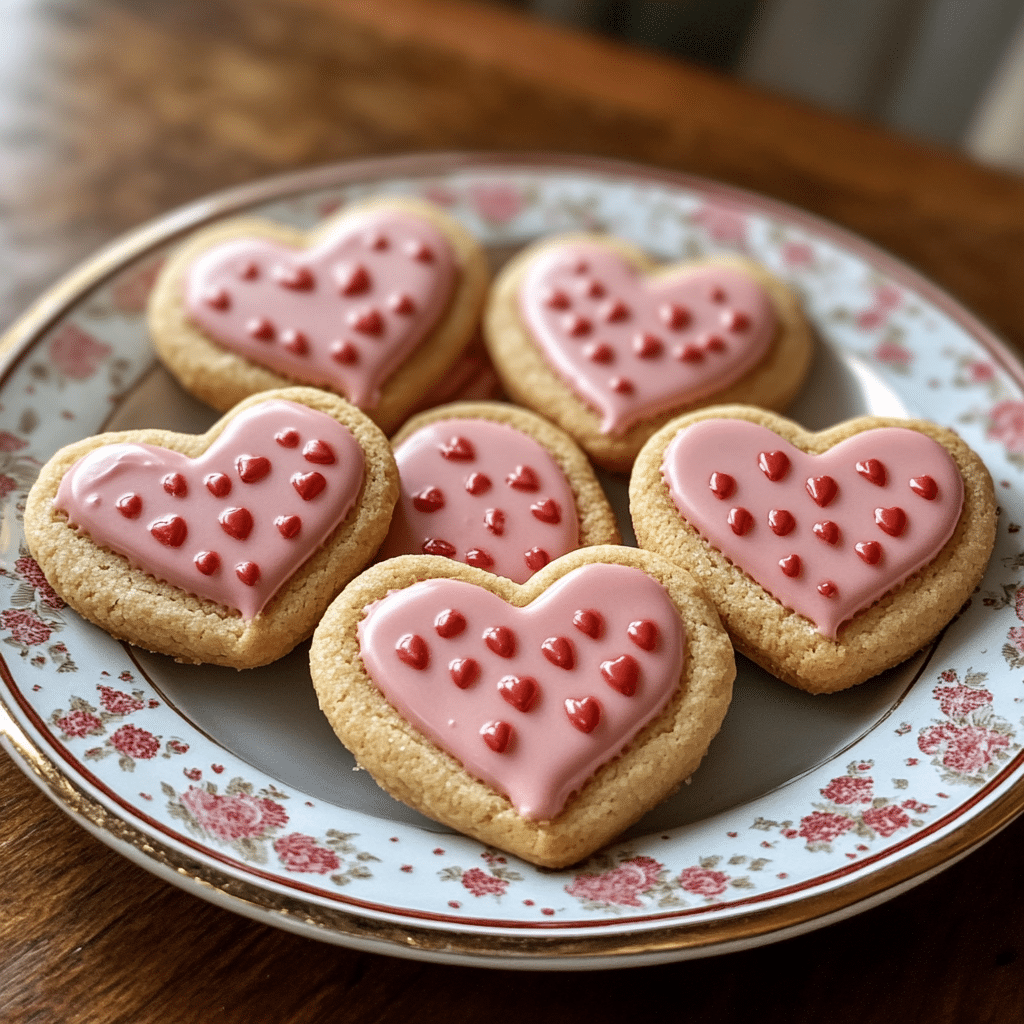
76	353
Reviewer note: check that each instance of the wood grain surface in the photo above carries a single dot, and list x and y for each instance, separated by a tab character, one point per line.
113	111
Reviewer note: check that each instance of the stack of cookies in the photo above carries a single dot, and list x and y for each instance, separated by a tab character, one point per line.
483	642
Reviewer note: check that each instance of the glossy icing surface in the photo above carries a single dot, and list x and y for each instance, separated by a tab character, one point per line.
827	535
233	524
633	345
343	314
530	700
484	493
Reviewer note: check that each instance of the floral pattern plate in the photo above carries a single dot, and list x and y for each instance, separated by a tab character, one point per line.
231	784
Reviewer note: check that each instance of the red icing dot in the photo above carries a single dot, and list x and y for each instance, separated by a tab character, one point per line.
260	328
175	484
870	551
827	588
501	640
621	385
129	505
377	241
615	312
599	352
295	342
722	485
217	298
740	520
523	478
430	499
252	468
689	354
577	326
319	452
400	302
479	558
595	290
413	651
171	531
478	483
559	652
366	321
344	352
498	736
715	344
218	485
287	438
458	449
827	531
248	573
822	489
309	485
892	521
925	487
536	558
436	546
207	562
494	520
236	522
449	623
873	470
791	565
735	320
675	316
297	278
249	272
644	634
556	299
420	251
622	674
353	279
647	346
583	714
717	294
547	511
781	521
588	621
288	526
774	465
519	691
464	672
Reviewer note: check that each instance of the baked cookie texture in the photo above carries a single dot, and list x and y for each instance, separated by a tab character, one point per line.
531	378
222	376
416	770
133	605
902	619
499	489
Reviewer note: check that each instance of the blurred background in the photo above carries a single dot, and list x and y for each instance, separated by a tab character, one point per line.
949	71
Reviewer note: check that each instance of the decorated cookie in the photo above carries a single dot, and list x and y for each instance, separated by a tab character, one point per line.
830	556
591	332
496	487
542	718
224	547
377	305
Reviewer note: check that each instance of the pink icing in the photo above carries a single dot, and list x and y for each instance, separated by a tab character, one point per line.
859	526
199	525
533	729
343	314
491	493
632	346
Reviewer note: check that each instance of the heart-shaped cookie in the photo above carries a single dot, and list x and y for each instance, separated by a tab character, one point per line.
542	718
376	304
494	486
830	556
590	330
226	546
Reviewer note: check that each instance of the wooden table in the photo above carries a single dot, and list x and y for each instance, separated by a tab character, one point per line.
112	111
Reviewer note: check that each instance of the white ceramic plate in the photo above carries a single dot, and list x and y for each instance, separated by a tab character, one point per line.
807	809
